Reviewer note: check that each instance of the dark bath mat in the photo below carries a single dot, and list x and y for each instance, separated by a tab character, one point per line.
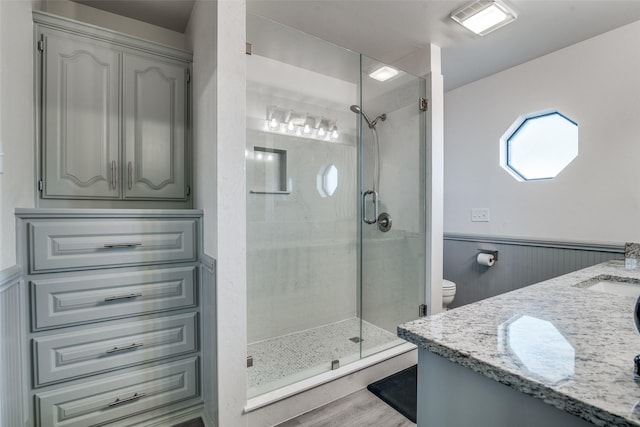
400	391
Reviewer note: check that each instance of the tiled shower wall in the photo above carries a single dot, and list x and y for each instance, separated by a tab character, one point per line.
301	252
521	262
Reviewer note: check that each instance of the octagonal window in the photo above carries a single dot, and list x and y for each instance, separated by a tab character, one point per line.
539	145
327	181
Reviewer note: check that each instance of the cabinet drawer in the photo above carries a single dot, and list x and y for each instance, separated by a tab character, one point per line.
65	245
90	351
100	401
79	299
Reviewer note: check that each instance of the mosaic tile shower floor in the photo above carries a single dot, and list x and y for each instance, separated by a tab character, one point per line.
286	359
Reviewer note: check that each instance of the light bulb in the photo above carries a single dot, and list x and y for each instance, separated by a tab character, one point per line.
270	157
291	127
321	132
273	123
306	130
334	134
259	156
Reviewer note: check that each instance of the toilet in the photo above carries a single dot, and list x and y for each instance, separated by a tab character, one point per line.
448	293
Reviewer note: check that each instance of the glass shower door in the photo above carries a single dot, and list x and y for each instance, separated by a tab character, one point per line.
392	226
302	204
324	287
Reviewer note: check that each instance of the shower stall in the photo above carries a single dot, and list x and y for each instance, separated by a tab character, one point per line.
335	168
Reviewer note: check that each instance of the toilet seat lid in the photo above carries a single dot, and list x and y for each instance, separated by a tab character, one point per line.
448	284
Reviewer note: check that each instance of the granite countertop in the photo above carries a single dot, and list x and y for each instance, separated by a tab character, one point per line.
557	340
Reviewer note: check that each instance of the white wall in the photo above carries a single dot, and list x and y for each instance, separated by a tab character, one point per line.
597	197
16	120
201	38
217	34
101	18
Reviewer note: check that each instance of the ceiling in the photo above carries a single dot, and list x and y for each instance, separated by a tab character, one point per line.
389	30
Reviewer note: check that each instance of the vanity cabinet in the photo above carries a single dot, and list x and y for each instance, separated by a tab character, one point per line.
114	316
114	115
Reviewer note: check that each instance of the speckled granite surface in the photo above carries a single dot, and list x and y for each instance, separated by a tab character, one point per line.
569	345
632	250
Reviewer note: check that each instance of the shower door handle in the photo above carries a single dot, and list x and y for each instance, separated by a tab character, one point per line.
374	199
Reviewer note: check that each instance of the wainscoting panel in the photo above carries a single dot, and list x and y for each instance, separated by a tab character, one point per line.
11	348
521	262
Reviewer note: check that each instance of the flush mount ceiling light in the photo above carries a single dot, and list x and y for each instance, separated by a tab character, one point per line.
383	73
484	16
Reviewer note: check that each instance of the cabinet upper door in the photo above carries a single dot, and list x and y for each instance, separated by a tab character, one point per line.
154	128
81	117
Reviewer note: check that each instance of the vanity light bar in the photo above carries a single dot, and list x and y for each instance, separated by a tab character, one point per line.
299	124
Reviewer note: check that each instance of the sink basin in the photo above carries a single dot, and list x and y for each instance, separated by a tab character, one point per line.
623	286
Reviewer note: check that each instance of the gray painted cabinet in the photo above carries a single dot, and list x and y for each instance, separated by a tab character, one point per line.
114	119
80	98
154	122
114	317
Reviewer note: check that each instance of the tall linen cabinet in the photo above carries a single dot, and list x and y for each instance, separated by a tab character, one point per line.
112	259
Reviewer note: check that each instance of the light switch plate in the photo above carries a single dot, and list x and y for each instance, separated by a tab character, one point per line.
479	214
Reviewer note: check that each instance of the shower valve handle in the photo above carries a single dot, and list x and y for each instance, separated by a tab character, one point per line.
374	199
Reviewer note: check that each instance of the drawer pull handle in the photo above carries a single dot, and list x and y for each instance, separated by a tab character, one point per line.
127	296
113	174
119	401
126	347
122	245
129	175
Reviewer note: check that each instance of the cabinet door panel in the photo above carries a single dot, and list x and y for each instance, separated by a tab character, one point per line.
80	117
155	126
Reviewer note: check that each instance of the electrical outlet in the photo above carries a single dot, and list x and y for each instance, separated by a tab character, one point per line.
479	214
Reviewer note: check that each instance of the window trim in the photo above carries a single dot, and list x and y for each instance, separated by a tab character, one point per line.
505	142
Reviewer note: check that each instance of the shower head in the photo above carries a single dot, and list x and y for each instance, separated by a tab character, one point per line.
381	117
372	124
356	109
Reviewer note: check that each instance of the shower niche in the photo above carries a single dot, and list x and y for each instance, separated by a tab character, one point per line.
323	285
269	171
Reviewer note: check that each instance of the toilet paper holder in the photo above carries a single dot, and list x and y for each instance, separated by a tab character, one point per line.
490	252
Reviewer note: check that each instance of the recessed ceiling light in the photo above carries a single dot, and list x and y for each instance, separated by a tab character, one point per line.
484	16
383	73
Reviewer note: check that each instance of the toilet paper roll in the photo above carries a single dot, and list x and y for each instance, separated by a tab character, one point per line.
486	259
